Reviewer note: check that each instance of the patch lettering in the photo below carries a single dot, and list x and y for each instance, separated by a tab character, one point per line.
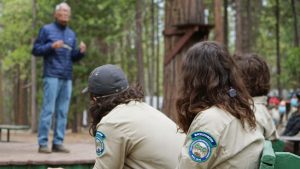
201	147
99	140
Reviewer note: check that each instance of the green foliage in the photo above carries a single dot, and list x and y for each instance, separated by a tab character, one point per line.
266	40
107	27
291	65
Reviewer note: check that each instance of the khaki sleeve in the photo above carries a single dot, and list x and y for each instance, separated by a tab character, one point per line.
110	147
201	145
270	129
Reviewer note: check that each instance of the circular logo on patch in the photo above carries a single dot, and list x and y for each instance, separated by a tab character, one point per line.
199	150
99	147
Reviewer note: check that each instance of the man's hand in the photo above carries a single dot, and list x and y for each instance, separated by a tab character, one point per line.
57	44
82	47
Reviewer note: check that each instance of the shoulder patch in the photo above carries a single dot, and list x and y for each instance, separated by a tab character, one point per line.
99	140
201	147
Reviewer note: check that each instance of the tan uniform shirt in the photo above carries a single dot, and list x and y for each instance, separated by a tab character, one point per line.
137	136
217	140
264	120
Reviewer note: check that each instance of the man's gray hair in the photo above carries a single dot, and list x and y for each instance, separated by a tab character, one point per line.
58	6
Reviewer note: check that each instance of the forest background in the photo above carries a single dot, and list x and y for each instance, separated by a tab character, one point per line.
129	33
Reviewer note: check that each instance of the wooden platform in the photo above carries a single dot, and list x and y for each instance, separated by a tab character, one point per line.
23	150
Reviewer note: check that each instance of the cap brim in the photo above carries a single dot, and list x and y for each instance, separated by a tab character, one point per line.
85	90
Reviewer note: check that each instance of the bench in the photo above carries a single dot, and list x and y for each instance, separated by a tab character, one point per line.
12	127
278	160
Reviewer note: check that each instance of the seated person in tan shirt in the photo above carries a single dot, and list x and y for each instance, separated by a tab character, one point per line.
256	76
129	134
214	110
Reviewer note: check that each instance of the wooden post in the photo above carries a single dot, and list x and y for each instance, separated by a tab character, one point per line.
219	32
185	17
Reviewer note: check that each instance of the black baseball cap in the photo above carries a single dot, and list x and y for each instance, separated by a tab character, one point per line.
106	80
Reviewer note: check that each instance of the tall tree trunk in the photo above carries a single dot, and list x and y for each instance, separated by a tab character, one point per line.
138	43
242	26
123	53
225	19
247	17
130	53
181	13
33	76
296	33
157	58
147	51
152	53
238	26
277	14
19	112
77	115
219	32
1	96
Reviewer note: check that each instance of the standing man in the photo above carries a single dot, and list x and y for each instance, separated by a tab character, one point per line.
56	42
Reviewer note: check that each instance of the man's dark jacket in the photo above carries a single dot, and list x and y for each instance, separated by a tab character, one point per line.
293	125
57	62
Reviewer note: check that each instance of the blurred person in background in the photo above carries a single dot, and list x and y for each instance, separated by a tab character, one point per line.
256	76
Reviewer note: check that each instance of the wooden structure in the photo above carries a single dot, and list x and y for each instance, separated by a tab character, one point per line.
22	152
184	26
24	155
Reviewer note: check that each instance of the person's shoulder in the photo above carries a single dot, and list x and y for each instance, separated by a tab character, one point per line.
48	26
132	112
70	30
213	117
217	114
119	114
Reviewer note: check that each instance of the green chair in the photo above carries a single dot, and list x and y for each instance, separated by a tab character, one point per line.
278	160
278	145
267	160
287	160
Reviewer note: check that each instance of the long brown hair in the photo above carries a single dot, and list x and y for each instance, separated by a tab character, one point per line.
100	106
209	72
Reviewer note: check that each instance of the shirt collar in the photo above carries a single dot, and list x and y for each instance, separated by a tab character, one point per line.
260	100
59	25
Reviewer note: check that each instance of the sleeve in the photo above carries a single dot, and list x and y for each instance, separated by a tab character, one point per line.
41	47
201	145
111	147
270	129
76	55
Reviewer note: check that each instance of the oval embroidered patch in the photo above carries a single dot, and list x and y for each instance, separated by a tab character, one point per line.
99	138
201	147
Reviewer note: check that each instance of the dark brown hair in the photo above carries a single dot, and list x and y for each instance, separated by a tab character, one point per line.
209	72
102	105
255	73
